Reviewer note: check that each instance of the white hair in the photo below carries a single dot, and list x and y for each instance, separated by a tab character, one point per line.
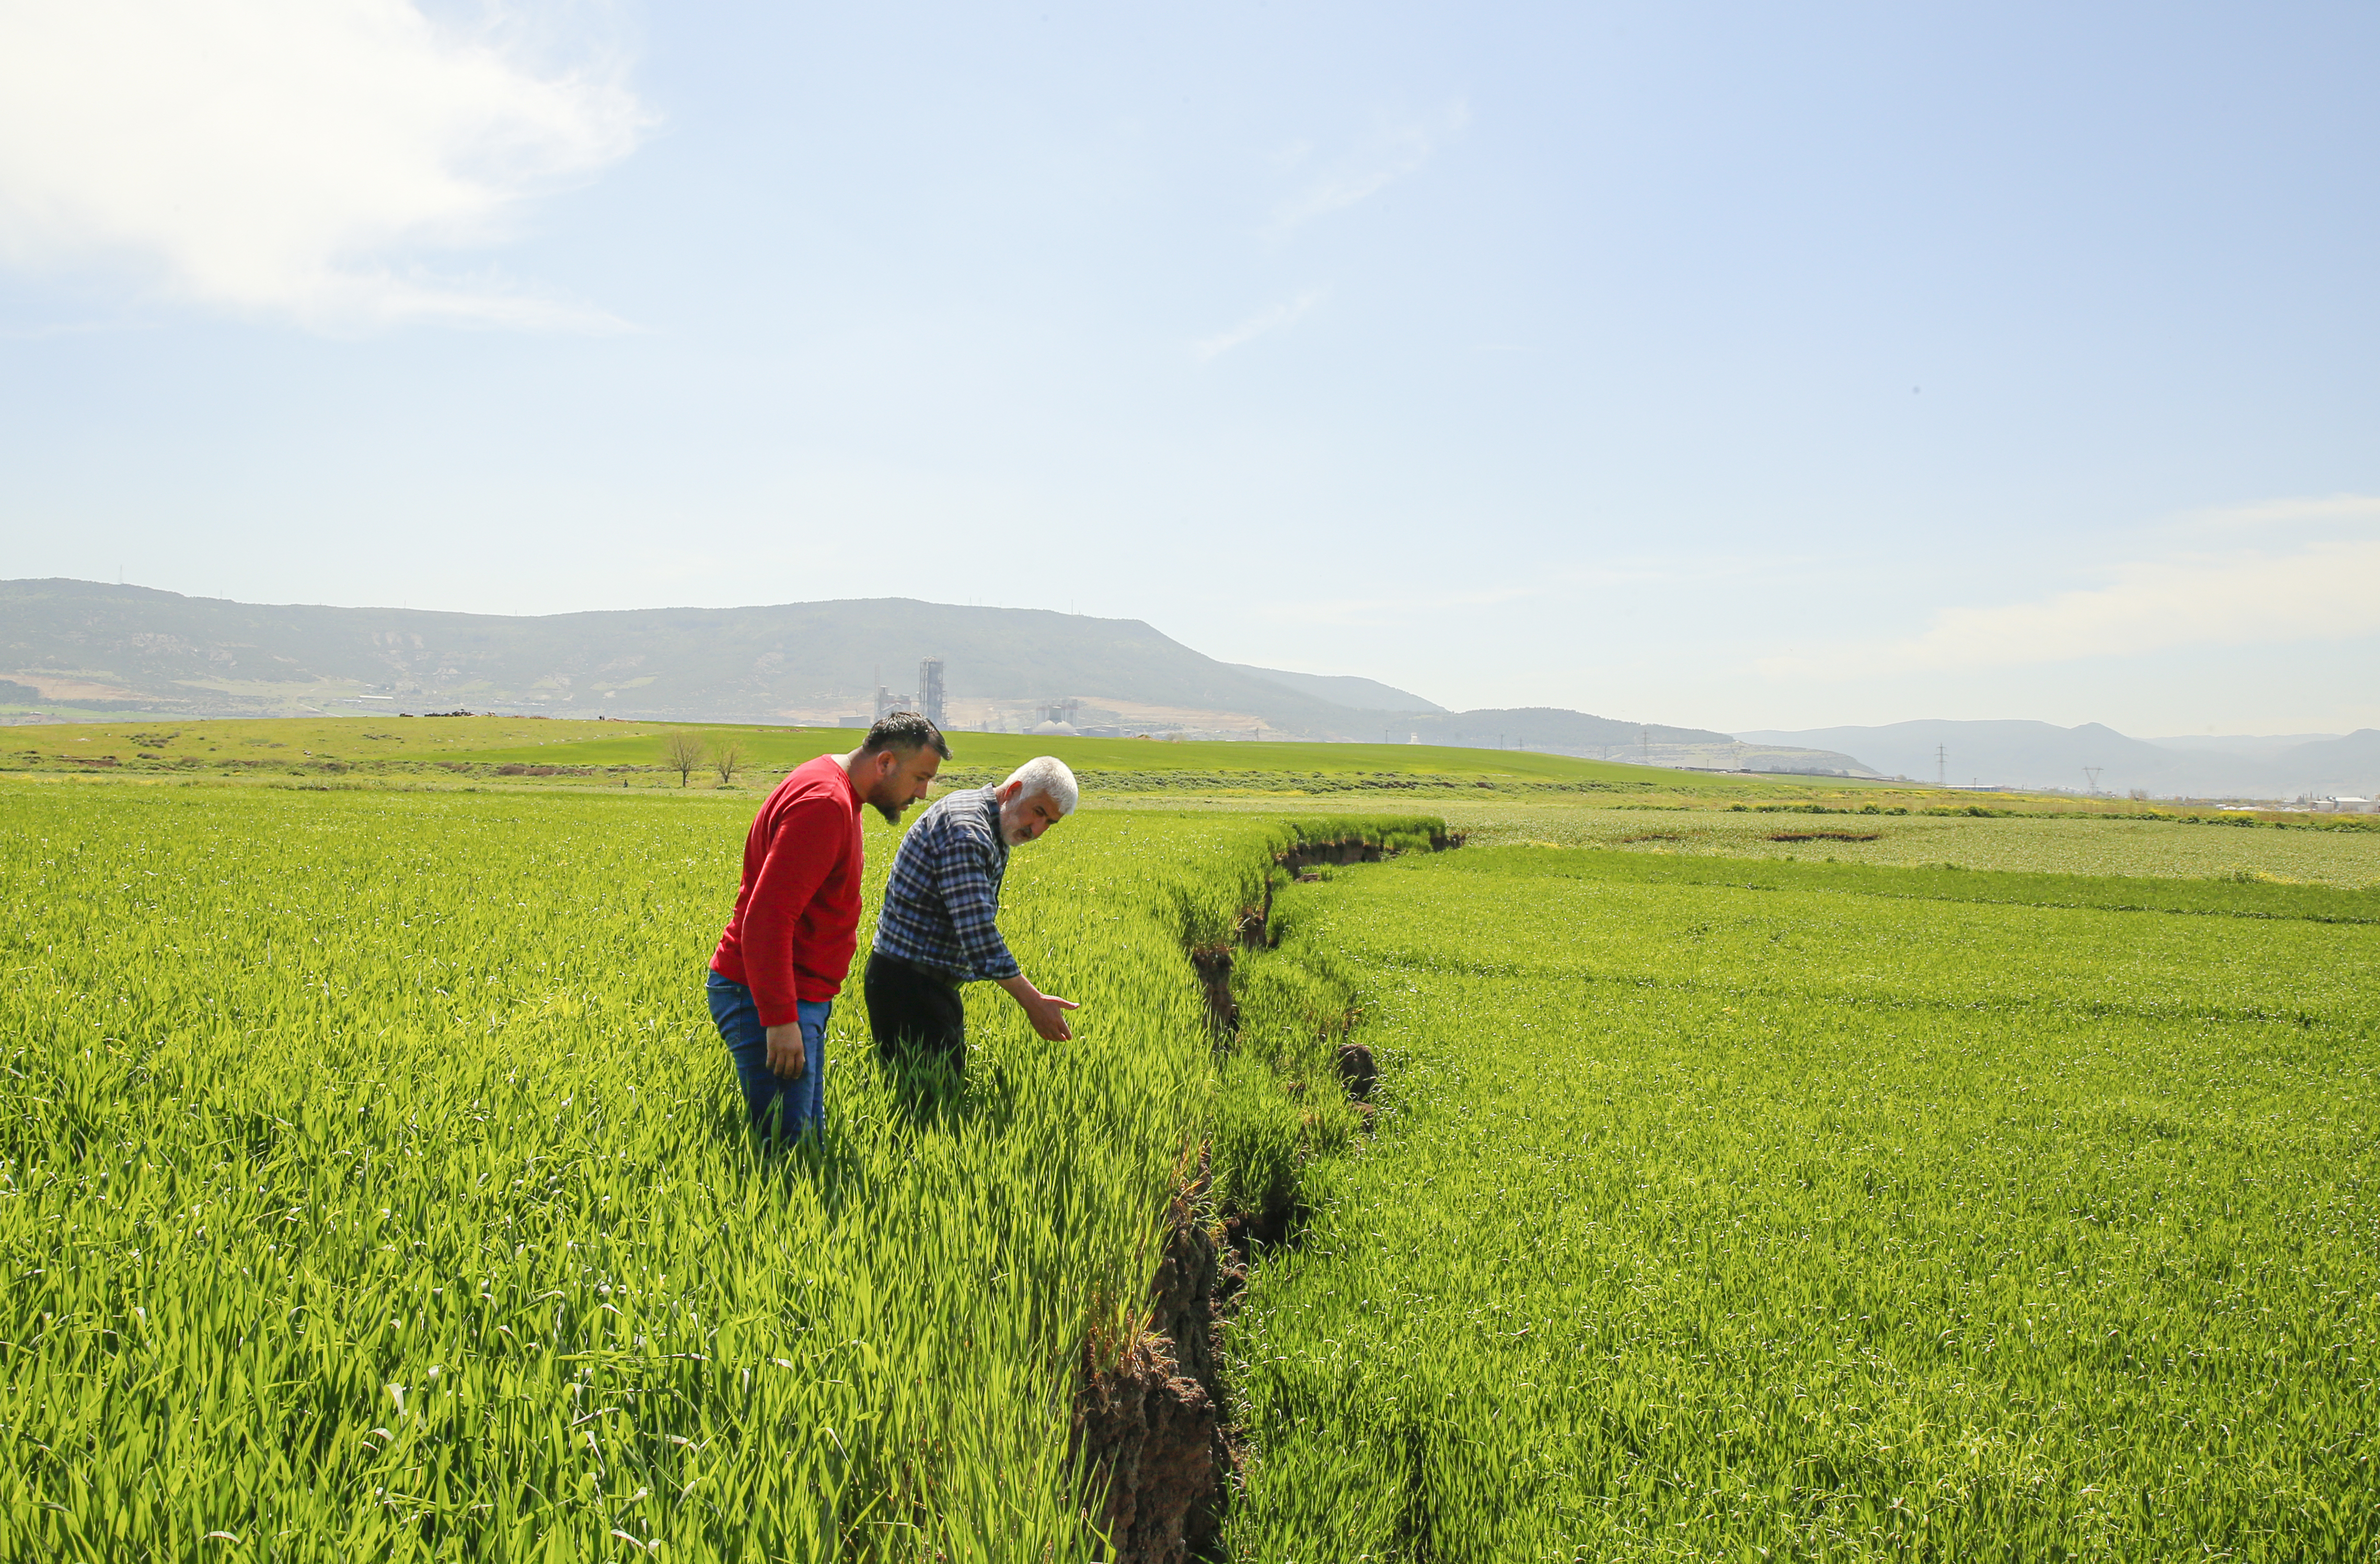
1048	776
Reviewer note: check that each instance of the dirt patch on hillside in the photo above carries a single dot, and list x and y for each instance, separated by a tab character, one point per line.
68	687
1823	836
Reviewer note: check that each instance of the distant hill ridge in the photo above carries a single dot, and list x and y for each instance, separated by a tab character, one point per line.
1346	689
72	647
87	643
2039	754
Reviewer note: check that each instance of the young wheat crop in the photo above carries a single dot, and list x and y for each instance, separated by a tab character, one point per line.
1767	1210
372	1184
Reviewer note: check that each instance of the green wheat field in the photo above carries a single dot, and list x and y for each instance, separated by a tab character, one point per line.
371	1184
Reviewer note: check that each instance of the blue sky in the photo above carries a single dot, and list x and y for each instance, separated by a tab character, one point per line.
1734	366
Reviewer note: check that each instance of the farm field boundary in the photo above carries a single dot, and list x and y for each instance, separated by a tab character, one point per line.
2101	846
496	740
492	750
2243	897
485	746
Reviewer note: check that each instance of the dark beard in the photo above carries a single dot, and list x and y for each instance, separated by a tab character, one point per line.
892	813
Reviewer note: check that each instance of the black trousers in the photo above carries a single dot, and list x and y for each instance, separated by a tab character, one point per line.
911	1010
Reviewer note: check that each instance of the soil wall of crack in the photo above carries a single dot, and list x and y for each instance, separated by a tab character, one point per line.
1150	1431
1252	929
1153	1432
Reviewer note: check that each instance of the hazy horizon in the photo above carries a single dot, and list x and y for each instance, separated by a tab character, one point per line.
2240	743
1736	369
2185	739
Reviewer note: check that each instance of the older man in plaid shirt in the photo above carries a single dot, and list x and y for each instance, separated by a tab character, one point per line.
938	929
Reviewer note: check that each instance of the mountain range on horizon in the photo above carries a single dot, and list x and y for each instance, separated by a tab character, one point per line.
86	651
2017	754
96	647
1345	690
89	650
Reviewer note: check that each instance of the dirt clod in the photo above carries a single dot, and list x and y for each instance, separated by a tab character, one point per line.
1357	1070
1214	969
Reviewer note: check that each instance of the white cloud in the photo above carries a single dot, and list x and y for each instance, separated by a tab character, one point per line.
1256	326
2326	590
287	157
1387	157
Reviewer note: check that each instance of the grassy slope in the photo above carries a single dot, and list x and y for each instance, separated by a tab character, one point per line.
378	737
1872	1214
1003	751
555	742
610	754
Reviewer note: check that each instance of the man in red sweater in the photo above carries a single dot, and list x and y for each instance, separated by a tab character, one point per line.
788	945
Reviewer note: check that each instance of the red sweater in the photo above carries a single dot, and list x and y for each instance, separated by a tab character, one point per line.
797	917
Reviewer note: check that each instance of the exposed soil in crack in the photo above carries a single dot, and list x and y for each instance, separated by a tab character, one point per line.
1214	969
1150	1430
1153	1432
1251	929
1357	1073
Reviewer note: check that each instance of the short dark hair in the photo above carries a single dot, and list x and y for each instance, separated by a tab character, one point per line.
905	731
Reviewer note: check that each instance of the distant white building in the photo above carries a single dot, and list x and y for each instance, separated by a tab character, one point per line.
2345	803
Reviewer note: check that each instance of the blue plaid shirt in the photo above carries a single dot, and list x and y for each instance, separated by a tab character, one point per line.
944	892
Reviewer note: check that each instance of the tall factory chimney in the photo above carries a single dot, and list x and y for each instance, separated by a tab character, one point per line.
929	691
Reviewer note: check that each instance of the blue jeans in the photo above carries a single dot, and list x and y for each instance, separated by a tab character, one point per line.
797	1104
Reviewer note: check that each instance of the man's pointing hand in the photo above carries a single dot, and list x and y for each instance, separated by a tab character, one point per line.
1046	1011
1048	1014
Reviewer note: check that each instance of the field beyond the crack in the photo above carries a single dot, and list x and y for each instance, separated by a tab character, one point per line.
1735	1209
373	1185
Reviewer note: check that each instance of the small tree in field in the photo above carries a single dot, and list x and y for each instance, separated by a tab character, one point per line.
682	753
727	759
